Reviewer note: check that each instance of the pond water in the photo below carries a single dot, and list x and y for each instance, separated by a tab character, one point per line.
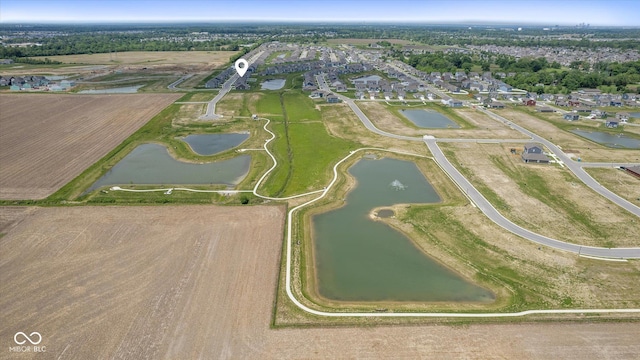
274	84
359	259
57	77
369	78
151	164
209	144
119	90
428	119
610	140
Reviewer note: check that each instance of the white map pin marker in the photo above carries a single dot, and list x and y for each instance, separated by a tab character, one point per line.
241	66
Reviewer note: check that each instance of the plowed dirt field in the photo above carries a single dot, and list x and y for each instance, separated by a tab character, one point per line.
198	282
47	140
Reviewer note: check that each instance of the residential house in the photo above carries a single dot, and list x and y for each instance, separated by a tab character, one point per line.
544	109
331	98
317	94
505	87
633	170
455	103
476	86
599	113
496	105
533	153
623	116
582	109
571	116
611	123
451	87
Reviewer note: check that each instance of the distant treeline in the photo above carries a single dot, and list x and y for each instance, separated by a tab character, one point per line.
104	43
537	75
452	62
103	38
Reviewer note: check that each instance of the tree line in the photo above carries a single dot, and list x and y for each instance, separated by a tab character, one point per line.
534	74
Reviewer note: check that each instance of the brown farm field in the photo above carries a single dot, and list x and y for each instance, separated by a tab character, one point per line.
47	140
209	58
189	282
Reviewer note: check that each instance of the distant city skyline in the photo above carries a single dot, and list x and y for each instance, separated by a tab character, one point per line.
594	12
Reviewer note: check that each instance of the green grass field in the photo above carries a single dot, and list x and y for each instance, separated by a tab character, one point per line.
304	149
300	107
269	103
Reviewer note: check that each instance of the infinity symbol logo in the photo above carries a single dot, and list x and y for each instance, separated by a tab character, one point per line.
15	338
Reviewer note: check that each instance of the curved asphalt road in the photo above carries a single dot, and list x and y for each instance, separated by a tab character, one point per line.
485	206
575	167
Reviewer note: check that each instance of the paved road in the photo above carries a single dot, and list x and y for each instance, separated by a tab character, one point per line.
302	306
210	114
363	118
605	165
173	85
486	141
574	167
485	206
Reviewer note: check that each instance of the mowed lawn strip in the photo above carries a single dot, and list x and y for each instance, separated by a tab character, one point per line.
269	103
300	107
304	149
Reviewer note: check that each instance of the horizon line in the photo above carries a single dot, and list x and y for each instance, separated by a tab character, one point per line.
314	22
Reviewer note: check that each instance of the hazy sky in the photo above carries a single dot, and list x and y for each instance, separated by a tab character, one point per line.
568	12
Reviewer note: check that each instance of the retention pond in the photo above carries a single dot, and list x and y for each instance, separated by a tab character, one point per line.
428	119
151	164
359	259
210	144
275	84
610	140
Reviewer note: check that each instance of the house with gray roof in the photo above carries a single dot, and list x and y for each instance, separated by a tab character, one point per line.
533	154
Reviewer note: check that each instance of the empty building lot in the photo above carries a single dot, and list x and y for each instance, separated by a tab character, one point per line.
47	140
168	282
